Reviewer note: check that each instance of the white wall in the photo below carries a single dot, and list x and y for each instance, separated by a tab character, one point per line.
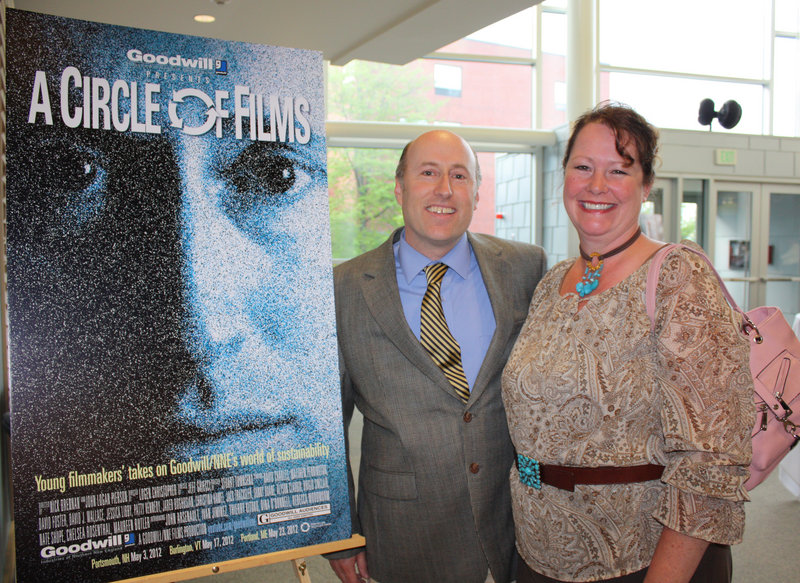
760	157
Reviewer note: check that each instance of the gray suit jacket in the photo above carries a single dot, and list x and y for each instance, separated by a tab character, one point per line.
433	500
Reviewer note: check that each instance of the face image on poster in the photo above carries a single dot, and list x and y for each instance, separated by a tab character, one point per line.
174	383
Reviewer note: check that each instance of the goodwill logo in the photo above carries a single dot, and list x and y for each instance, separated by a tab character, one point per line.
219	66
115	540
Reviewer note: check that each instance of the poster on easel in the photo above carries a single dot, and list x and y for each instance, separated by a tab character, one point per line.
174	384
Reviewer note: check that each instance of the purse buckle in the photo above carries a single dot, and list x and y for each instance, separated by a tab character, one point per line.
764	408
748	326
788	410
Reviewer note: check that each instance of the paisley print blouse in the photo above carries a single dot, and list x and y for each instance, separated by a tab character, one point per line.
593	387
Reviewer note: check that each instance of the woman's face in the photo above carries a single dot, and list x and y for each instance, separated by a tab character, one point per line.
603	195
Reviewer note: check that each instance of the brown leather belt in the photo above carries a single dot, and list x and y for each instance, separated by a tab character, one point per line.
566	477
534	474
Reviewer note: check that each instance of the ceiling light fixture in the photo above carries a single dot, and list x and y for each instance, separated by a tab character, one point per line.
204	18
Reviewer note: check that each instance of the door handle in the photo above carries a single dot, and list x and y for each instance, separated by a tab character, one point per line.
769	279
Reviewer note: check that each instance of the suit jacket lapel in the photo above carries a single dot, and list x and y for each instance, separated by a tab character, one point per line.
379	287
496	273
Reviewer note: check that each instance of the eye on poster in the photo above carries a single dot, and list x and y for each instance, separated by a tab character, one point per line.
174	384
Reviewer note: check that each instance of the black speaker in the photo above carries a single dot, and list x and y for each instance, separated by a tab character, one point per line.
728	116
707	112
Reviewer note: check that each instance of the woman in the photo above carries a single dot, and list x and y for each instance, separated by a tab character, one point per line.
633	447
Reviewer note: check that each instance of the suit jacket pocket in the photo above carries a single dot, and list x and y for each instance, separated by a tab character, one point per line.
393	485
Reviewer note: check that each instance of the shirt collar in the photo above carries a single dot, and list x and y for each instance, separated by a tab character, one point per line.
412	261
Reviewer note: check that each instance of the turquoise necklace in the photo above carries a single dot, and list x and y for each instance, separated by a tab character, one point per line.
594	266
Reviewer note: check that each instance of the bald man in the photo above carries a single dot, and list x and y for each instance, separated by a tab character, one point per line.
433	499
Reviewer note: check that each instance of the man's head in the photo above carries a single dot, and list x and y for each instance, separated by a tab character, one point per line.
436	184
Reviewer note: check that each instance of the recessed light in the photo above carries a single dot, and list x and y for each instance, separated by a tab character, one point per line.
204	18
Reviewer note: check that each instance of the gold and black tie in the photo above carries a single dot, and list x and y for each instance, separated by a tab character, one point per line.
435	336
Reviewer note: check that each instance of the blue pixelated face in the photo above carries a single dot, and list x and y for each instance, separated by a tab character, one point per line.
179	269
251	266
249	260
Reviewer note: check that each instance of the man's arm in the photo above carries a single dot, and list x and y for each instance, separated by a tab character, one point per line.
349	565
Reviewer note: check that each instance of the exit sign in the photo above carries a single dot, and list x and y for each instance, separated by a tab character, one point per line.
725	157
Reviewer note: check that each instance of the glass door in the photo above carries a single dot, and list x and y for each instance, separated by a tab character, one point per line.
733	238
666	216
756	244
693	209
658	212
782	278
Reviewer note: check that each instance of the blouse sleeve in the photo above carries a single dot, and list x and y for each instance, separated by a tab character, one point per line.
707	403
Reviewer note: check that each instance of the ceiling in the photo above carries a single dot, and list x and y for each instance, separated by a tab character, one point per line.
389	31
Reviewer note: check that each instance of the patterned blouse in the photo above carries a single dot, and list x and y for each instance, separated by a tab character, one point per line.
593	387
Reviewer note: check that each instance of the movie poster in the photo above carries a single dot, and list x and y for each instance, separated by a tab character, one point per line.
174	383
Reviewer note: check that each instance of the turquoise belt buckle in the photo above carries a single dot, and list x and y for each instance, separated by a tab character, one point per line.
529	471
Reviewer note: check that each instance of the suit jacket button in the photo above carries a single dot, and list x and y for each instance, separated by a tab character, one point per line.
467	417
474	468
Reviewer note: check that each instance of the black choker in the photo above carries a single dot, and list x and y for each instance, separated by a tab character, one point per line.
594	266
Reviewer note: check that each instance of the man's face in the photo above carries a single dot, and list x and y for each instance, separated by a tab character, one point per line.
438	192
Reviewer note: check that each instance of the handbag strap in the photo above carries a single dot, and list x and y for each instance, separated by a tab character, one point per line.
652	284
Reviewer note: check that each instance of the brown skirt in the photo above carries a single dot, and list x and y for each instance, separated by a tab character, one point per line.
714	567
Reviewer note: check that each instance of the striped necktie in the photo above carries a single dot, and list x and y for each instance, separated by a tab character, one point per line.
435	336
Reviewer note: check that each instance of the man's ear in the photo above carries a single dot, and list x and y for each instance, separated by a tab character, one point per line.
398	191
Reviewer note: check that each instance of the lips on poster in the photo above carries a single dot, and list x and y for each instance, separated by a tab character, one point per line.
174	383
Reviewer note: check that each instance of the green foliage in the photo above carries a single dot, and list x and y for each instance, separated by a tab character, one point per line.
363	206
361	180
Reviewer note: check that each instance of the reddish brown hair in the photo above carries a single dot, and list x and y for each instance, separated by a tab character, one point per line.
627	126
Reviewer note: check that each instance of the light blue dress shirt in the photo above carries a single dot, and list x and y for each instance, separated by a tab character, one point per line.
465	300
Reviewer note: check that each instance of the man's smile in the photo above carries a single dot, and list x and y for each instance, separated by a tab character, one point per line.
440	210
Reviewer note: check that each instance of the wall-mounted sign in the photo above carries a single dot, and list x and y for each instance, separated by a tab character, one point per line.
725	157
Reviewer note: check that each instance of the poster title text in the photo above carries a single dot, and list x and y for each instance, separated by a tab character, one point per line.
127	106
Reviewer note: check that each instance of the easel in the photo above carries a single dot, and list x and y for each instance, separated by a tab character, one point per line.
296	556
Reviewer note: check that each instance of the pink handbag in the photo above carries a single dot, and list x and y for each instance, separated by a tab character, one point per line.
774	365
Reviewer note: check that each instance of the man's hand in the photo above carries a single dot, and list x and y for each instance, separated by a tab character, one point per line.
351	570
